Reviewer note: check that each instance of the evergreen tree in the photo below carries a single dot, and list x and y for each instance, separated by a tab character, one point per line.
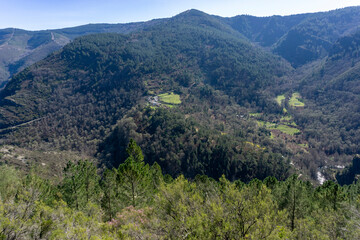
134	177
81	184
110	200
330	195
295	198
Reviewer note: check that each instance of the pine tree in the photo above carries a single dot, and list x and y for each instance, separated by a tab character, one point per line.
110	201
134	177
81	184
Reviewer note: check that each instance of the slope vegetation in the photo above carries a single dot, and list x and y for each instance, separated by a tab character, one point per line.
74	98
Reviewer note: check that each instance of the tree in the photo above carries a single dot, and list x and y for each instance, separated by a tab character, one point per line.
81	184
134	177
249	212
294	197
330	195
110	201
180	209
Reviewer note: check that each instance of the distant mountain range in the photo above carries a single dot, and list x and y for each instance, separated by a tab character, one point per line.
244	96
297	38
20	48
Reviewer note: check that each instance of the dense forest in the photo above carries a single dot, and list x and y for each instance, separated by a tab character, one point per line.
100	90
136	201
299	39
183	146
94	89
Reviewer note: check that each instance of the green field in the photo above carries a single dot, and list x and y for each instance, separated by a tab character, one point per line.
295	102
280	98
281	127
286	129
170	98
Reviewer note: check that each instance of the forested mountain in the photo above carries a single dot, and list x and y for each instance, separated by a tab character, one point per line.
161	82
20	48
332	91
299	39
313	38
82	91
194	127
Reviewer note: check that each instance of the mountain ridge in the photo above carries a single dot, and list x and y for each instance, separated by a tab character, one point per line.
82	92
205	72
265	31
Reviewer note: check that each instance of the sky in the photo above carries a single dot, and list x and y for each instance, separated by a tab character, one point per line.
52	14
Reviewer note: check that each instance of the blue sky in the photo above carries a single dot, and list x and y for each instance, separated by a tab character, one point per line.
49	14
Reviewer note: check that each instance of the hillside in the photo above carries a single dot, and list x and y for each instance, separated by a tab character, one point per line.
313	38
75	97
191	127
201	94
20	48
300	39
333	119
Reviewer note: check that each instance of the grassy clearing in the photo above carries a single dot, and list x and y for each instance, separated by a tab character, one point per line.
293	124
280	99
295	102
281	127
289	120
286	129
260	123
170	98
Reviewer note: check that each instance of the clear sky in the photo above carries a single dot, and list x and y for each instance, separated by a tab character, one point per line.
49	14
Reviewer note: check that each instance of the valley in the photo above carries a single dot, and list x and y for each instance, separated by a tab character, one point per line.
222	73
189	127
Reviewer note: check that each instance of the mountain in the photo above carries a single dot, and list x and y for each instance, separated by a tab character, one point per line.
76	96
208	53
313	38
200	94
265	31
332	89
299	39
188	127
20	48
